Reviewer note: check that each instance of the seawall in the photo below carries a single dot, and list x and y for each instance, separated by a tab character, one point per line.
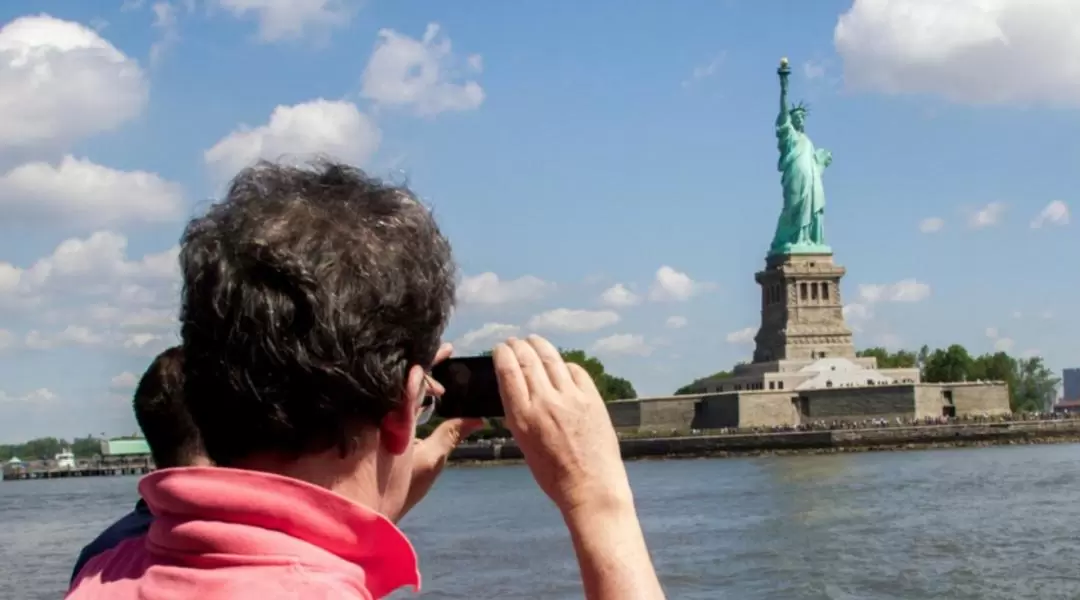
844	440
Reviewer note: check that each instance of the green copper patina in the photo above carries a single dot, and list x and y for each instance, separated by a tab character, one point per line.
801	226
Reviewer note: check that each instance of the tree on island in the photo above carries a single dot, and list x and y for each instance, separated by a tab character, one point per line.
1032	385
47	448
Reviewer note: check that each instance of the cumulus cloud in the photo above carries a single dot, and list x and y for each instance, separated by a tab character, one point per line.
281	20
704	71
488	334
574	321
622	343
619	296
987	216
968	51
72	335
320	127
124	381
931	224
81	192
97	294
676	322
907	290
1001	343
742	336
670	285
420	75
488	289
35	397
1055	213
63	82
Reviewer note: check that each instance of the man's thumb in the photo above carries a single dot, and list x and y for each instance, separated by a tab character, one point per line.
451	431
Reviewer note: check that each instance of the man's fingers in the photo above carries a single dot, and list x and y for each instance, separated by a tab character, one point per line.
450	432
552	361
532	368
582	379
443	353
512	385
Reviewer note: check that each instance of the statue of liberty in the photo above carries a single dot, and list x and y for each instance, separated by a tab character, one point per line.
801	226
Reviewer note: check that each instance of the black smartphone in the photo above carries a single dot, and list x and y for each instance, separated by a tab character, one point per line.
472	391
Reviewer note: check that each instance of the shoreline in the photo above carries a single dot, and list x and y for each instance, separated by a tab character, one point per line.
841	441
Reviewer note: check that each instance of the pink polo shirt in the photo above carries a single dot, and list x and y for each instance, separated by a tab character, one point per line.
230	534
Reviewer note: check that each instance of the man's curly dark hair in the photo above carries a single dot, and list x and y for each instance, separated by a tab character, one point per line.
308	294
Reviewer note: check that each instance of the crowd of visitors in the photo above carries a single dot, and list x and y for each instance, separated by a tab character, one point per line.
312	311
879	423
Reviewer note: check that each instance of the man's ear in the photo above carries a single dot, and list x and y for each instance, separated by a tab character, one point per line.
398	427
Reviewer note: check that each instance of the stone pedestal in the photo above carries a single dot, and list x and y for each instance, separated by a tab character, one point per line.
802	316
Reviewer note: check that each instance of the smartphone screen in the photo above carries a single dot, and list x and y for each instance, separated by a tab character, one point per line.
471	388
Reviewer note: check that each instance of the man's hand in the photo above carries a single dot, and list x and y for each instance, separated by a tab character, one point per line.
430	454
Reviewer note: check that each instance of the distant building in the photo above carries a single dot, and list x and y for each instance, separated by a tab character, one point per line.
1067	406
1070	383
129	452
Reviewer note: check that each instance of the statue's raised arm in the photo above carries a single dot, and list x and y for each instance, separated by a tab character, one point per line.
784	71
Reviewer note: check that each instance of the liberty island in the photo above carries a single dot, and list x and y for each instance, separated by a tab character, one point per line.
805	370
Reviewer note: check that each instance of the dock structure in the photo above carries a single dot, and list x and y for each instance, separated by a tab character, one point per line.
117	458
80	471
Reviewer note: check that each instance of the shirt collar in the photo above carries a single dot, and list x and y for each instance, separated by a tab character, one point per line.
258	501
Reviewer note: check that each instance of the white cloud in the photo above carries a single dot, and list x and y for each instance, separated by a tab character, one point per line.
79	191
72	335
62	82
931	224
968	51
676	322
488	289
907	290
1003	344
1055	213
7	339
856	314
319	127
813	69
742	336
569	320
890	341
37	396
487	334
165	22
419	74
986	216
672	285
704	71
619	296
146	344
93	266
292	19
124	381
134	318
622	343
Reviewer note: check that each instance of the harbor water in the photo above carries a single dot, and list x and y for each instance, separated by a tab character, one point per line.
987	524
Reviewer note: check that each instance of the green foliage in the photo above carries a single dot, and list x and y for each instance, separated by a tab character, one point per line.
901	359
48	447
610	386
1032	386
689	388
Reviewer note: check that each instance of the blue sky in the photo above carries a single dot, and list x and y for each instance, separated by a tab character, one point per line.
569	149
